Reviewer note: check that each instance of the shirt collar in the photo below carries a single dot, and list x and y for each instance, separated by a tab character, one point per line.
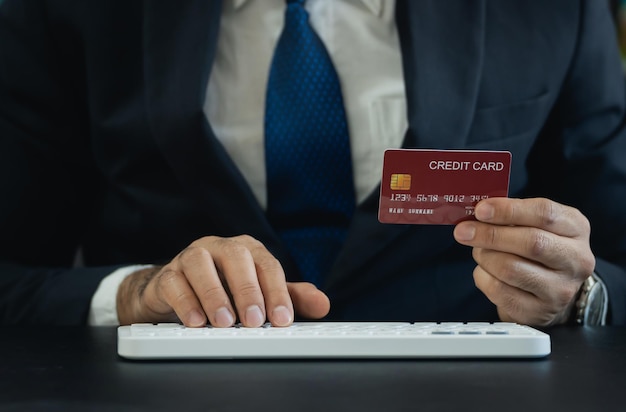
374	6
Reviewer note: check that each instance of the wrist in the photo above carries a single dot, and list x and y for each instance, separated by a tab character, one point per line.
130	293
103	305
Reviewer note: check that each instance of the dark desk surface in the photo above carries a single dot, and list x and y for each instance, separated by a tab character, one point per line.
77	369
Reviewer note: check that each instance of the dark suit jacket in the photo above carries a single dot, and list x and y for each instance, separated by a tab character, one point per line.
104	145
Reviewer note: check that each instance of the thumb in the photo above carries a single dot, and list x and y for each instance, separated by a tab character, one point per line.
308	301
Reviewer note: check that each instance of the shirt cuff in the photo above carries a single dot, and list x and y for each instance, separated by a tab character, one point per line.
103	309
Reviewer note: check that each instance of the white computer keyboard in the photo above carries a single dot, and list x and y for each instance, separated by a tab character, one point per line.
334	340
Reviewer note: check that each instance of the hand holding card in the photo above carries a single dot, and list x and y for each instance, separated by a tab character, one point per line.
440	187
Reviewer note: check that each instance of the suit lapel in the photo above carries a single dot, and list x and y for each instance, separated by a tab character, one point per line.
442	51
180	40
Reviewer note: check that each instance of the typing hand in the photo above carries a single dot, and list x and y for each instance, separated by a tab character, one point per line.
218	280
533	256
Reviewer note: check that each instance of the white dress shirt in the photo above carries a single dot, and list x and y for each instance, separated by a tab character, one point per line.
362	40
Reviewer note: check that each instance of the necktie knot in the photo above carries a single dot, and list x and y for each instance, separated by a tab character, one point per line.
295	14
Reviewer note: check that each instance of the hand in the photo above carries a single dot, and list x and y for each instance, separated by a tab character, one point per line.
219	279
533	256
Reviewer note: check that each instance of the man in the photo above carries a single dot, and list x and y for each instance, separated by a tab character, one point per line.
134	131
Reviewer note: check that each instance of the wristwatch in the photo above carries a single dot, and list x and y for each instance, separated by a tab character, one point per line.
592	303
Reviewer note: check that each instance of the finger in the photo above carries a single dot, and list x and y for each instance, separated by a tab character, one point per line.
271	276
309	301
236	265
514	305
172	287
199	268
555	289
538	213
557	252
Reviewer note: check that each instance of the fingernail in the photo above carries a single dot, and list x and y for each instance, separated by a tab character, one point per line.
484	211
223	318
465	232
281	316
254	316
196	318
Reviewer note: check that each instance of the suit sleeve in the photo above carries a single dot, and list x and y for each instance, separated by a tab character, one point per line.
46	183
584	148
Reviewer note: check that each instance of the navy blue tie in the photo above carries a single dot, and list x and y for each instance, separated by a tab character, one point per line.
307	148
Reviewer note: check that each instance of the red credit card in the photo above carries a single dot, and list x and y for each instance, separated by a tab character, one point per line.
440	187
